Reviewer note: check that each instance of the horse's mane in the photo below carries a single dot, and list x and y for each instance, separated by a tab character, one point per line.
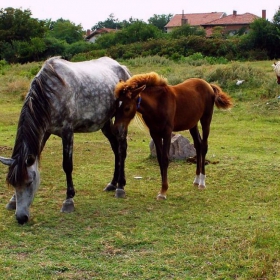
33	122
149	79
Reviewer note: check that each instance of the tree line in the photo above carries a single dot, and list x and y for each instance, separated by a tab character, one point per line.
25	39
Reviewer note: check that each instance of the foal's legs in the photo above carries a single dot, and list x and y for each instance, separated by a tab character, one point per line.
119	147
201	146
199	178
67	145
162	148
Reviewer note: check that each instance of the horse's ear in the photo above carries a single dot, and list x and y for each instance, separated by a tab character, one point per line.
30	160
273	65
135	92
7	161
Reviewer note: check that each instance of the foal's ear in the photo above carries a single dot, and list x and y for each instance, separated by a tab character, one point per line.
137	91
30	160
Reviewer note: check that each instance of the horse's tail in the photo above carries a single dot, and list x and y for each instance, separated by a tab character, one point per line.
222	100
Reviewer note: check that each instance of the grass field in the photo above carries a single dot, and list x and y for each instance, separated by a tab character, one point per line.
231	230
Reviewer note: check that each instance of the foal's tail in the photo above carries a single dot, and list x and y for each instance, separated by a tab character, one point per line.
222	99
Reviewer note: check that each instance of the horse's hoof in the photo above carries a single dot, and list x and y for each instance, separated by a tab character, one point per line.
120	193
161	196
11	205
109	188
68	206
201	187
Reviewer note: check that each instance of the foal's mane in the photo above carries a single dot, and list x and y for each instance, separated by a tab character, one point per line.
33	121
150	79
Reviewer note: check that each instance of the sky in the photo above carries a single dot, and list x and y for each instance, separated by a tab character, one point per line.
89	12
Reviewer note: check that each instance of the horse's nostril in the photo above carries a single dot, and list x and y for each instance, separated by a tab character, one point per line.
22	219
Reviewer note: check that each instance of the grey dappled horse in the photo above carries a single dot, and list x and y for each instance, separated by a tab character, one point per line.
64	98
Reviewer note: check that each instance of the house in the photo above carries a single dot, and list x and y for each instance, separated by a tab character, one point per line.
92	36
197	19
230	24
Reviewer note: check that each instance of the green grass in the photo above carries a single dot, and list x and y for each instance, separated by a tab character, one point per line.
231	230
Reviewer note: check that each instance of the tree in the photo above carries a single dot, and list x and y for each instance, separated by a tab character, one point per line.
110	22
65	30
276	18
264	35
160	21
138	31
187	30
16	24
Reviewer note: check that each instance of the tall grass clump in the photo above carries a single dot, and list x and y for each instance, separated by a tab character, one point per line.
198	59
257	82
149	60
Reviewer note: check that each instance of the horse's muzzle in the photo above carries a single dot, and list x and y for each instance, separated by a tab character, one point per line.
22	219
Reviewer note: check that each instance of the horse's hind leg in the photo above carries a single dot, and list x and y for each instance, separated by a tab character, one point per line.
204	149
199	179
67	143
119	147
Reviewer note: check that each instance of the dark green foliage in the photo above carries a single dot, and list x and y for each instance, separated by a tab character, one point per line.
18	25
160	21
187	30
264	35
66	30
110	22
25	39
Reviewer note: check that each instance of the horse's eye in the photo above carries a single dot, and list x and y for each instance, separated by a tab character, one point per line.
29	184
127	109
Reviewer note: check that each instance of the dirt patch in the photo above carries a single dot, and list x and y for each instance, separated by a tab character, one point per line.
5	148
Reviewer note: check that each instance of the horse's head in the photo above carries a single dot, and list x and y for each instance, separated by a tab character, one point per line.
25	178
127	103
276	67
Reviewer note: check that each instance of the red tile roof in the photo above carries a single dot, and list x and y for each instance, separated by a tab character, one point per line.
246	18
194	19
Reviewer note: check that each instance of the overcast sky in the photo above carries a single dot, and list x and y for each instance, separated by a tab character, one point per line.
90	12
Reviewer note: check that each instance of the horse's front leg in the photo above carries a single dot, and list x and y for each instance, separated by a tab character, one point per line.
67	143
119	147
162	148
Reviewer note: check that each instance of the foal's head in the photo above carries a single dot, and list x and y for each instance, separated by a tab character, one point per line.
128	96
128	99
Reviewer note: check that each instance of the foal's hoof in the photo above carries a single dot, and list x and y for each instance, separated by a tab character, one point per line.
109	188
68	206
201	187
11	205
120	193
161	196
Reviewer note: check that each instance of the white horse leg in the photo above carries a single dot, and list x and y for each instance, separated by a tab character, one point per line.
199	181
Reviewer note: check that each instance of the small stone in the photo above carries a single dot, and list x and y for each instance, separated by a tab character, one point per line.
180	148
